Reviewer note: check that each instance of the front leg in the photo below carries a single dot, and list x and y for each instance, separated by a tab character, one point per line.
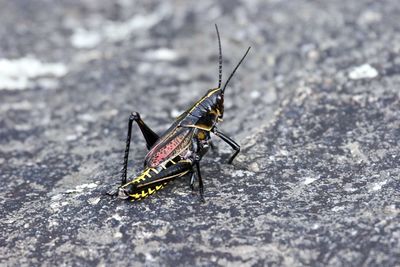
230	142
213	147
201	186
192	178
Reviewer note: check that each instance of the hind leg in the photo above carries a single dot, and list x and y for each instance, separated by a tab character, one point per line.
150	181
150	136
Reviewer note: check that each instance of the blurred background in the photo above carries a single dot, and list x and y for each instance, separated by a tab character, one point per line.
315	107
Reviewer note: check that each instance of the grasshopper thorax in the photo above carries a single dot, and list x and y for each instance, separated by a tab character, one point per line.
206	112
213	101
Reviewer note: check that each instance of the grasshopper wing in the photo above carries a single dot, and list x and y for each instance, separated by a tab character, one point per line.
173	143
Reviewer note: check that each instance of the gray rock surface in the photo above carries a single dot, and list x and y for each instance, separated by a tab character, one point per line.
315	107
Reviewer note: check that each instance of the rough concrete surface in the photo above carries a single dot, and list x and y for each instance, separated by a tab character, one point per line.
315	107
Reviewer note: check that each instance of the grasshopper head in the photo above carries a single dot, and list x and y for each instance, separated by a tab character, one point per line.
219	105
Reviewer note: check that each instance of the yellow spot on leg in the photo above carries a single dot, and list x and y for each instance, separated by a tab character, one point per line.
158	187
137	196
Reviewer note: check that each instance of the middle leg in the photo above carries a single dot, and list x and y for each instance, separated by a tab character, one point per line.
201	186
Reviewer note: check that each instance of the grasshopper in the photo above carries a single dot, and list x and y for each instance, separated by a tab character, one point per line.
178	151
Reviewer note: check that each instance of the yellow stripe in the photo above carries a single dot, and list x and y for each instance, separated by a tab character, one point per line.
203	98
165	178
208	129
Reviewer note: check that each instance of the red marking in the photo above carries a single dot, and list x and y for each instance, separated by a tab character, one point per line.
165	151
168	147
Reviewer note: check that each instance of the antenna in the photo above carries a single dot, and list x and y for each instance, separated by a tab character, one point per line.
220	57
234	70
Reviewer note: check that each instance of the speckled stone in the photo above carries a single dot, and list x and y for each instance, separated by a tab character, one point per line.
315	107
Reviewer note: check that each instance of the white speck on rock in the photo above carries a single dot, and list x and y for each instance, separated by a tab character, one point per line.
109	113
149	257
356	151
254	167
238	173
118	234
120	31
56	203
117	217
94	200
350	189
283	152
53	223
315	226
369	17
18	74
71	137
365	71
85	39
241	173
338	208
162	54
255	94
113	31
23	105
81	188
378	186
310	180
87	117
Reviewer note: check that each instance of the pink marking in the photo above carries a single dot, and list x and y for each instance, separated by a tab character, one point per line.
163	153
